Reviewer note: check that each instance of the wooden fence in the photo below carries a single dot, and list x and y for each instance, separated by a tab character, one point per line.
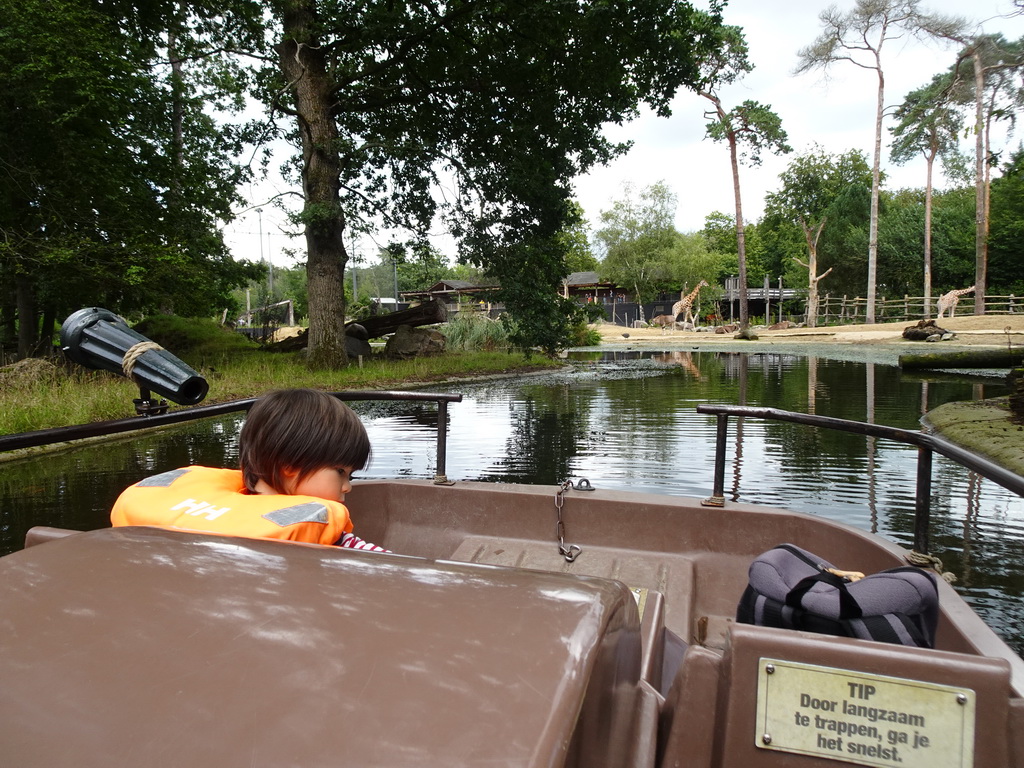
843	309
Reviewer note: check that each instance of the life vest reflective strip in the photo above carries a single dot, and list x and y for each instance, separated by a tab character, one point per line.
213	500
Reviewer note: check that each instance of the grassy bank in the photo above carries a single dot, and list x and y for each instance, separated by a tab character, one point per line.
983	426
50	396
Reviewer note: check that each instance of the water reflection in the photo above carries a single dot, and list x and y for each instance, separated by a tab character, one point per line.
627	420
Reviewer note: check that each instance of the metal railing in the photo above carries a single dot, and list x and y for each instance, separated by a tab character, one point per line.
103	428
927	444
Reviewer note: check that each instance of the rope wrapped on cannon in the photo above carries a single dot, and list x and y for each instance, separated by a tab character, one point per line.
97	338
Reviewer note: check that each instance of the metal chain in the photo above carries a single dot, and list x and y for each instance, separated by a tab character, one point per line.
572	551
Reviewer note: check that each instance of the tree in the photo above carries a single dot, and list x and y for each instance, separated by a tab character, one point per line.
859	37
100	137
927	124
750	124
637	236
578	256
1007	233
506	100
815	187
993	60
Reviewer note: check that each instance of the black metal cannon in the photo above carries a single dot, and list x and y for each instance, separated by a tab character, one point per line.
97	338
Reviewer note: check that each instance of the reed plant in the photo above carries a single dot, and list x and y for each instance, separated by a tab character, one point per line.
471	331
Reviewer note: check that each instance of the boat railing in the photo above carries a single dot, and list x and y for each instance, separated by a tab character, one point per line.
104	428
927	444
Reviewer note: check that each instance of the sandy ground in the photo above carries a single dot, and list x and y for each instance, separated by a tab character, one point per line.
969	330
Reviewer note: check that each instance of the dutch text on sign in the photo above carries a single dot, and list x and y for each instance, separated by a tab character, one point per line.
861	718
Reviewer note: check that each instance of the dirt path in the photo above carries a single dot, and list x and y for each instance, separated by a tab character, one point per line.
970	330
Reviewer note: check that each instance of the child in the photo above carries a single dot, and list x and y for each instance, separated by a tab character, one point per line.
297	450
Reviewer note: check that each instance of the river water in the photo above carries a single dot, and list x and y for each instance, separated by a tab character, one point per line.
627	421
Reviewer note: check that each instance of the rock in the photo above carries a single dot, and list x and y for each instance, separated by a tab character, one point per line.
924	330
747	335
355	347
639	324
357	331
410	342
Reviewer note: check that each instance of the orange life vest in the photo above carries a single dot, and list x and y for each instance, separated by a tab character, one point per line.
214	501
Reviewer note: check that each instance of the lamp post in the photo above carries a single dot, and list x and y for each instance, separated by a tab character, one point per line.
394	263
259	214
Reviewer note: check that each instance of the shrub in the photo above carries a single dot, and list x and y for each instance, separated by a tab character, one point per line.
475	332
583	335
193	337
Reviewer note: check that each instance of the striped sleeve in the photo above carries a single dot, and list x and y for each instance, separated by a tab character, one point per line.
352	541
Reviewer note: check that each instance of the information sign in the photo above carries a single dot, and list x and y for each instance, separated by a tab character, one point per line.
861	718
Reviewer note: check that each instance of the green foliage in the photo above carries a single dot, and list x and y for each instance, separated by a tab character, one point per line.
573	239
100	137
583	335
643	251
474	332
720	232
1006	238
953	239
813	182
928	124
193	338
751	127
510	98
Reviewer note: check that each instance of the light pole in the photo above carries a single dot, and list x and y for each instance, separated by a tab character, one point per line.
394	263
259	214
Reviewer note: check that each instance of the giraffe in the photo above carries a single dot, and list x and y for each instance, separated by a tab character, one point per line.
949	300
685	303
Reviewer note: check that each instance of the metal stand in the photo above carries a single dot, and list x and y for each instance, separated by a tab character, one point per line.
145	405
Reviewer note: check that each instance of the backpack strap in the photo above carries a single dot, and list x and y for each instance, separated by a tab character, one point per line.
849	608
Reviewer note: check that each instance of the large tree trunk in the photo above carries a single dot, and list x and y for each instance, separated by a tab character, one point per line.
428	313
741	244
980	240
875	190
304	66
928	235
813	278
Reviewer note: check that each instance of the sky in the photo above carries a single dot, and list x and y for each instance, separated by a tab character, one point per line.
835	110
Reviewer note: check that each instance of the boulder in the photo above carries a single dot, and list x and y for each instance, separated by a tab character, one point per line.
926	330
408	342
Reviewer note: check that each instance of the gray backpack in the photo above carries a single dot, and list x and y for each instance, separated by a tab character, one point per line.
791	588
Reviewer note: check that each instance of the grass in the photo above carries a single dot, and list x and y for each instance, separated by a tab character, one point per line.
54	396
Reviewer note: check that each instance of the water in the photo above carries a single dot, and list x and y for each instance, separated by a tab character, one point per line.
628	421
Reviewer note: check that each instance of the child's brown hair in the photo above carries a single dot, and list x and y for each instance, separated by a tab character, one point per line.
299	431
